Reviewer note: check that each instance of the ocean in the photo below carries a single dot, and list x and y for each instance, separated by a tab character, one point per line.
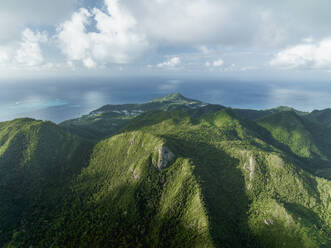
66	98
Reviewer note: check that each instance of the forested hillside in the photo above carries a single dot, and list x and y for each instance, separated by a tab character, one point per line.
173	172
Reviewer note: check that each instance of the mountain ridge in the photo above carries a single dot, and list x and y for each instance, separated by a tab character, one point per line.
171	176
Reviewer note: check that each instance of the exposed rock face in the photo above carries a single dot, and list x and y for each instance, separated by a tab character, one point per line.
165	157
268	222
251	168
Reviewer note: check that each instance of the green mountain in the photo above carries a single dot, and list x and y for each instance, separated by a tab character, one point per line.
257	114
109	119
178	173
321	116
36	160
308	140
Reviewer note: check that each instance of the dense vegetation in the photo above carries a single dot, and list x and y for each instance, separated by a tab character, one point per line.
309	140
36	160
173	172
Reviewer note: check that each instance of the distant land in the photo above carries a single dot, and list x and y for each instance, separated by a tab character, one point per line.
58	100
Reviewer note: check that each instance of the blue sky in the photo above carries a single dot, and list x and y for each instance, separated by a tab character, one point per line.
253	40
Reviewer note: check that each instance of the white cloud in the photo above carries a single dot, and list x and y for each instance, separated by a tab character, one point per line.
311	55
30	53
204	49
116	40
308	40
190	21
171	63
89	63
120	31
210	22
73	39
25	54
216	63
4	57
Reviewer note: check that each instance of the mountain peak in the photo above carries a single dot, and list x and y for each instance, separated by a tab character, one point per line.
287	109
173	97
284	108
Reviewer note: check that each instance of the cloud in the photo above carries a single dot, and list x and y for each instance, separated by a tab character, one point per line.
16	15
171	63
106	34
216	63
26	53
116	40
73	39
4	57
30	53
229	23
204	49
89	63
307	55
190	21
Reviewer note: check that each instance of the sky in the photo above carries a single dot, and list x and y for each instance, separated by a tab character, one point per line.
246	40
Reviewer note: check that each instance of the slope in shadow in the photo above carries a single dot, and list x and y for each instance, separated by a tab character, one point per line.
223	189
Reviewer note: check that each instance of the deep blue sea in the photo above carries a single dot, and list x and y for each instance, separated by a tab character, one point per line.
64	98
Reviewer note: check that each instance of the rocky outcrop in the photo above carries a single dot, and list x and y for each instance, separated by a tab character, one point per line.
250	167
165	157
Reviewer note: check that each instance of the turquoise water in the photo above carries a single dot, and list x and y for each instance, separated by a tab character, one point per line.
21	107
